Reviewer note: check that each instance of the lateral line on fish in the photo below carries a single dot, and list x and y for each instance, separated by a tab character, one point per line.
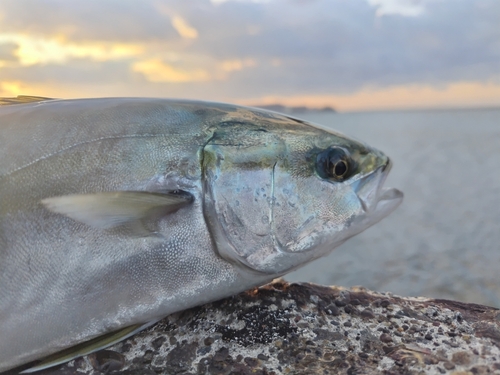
81	144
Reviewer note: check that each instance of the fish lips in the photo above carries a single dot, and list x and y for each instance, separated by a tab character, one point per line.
377	202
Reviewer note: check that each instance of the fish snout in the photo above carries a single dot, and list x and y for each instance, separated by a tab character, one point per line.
371	192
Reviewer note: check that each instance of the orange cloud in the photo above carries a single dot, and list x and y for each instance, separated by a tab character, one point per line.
32	50
460	94
157	71
183	28
10	88
234	65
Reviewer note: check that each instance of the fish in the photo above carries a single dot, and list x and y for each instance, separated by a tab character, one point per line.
116	212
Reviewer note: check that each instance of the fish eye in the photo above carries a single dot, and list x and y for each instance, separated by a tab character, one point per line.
333	163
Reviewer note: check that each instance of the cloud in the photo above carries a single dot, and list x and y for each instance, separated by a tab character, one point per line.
10	88
7	51
234	65
158	71
31	50
241	49
251	1
183	28
106	20
410	8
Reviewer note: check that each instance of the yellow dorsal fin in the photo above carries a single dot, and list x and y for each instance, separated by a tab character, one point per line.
23	99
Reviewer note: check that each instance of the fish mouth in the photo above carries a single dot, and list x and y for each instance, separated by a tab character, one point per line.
389	199
376	200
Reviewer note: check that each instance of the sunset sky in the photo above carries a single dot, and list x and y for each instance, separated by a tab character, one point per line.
349	54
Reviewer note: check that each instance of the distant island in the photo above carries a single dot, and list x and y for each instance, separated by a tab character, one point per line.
293	110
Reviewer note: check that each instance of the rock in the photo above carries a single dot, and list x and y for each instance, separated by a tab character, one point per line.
284	328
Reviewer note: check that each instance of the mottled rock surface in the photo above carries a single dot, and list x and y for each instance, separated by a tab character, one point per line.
286	328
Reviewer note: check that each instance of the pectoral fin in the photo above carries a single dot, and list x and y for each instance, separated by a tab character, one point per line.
88	347
111	209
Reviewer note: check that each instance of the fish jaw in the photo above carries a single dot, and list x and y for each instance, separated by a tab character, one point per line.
389	199
376	200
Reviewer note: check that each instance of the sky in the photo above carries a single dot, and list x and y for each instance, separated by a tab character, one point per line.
353	55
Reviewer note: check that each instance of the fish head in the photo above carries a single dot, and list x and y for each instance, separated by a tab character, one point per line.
280	193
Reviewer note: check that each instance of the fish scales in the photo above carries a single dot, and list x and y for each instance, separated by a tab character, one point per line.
120	211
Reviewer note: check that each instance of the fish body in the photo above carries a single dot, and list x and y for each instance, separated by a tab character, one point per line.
117	212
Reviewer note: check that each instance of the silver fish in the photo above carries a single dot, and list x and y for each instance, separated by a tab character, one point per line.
117	212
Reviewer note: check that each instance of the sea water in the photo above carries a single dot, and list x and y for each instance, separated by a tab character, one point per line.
444	239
